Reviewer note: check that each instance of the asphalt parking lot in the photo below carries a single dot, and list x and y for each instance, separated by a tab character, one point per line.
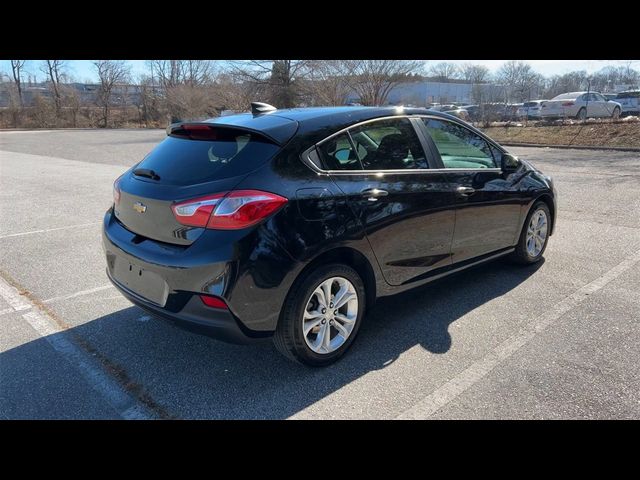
557	340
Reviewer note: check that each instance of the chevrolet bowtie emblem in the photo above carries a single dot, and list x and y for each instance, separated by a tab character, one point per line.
139	207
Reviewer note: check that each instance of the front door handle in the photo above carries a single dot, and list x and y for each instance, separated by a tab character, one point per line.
372	194
465	191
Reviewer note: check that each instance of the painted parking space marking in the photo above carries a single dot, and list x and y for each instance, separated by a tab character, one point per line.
478	370
79	294
118	398
46	230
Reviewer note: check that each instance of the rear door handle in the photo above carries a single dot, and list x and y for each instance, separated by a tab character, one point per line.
465	191
372	194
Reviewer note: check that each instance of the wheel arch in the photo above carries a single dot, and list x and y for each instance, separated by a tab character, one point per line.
350	257
548	200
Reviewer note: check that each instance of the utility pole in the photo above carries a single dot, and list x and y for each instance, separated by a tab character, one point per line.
586	112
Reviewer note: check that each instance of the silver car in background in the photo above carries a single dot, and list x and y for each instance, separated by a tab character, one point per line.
630	102
580	105
530	109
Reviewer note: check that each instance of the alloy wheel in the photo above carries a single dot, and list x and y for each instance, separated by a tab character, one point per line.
330	315
536	233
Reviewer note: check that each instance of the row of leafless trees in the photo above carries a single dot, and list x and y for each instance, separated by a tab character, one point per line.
521	82
197	88
178	89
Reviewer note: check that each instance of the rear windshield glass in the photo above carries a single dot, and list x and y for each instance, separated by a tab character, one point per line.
531	104
183	161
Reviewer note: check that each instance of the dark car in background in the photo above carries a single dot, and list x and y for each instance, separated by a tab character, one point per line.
290	223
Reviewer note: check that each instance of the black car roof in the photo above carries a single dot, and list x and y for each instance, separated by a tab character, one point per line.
314	121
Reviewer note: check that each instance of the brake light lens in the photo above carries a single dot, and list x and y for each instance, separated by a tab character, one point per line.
231	211
568	104
195	131
214	302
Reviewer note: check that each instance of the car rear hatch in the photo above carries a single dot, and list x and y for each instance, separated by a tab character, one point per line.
195	160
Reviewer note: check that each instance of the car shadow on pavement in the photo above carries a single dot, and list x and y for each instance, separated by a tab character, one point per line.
192	376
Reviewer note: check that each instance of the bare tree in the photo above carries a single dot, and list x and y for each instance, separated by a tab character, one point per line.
444	71
110	73
568	82
171	73
519	79
236	94
16	70
185	86
474	73
608	77
281	80
373	80
54	69
149	108
328	83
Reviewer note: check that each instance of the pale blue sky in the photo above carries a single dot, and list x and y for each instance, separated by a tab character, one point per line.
83	70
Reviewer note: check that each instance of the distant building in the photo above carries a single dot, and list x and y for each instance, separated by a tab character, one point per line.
424	93
126	94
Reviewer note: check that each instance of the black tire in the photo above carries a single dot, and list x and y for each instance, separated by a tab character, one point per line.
521	254
616	113
582	114
288	337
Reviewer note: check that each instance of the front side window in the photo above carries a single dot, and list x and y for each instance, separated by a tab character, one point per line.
390	144
458	146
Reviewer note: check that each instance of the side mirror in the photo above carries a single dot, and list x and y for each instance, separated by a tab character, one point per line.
510	163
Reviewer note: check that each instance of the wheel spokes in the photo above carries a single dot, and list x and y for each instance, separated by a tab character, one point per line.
341	330
319	341
344	319
348	296
326	290
308	326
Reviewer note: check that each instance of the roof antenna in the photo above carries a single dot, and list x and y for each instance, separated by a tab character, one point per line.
258	107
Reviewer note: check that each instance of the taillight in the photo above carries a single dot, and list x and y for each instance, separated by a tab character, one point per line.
196	212
214	302
568	104
230	211
116	191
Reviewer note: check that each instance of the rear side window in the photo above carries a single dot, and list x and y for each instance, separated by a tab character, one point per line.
388	145
226	153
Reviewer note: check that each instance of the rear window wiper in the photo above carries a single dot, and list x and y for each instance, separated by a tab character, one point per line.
145	172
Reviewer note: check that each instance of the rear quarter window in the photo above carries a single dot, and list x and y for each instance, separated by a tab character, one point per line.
184	161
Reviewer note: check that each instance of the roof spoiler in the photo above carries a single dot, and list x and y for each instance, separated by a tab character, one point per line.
201	129
258	108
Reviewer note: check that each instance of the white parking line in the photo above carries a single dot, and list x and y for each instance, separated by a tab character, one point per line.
474	373
123	403
78	294
12	296
49	230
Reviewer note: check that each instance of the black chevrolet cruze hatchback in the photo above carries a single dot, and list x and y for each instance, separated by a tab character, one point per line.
290	223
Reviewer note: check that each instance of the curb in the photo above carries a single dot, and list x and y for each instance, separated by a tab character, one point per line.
571	147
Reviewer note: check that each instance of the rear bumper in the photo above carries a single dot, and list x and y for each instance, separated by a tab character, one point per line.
197	318
172	278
